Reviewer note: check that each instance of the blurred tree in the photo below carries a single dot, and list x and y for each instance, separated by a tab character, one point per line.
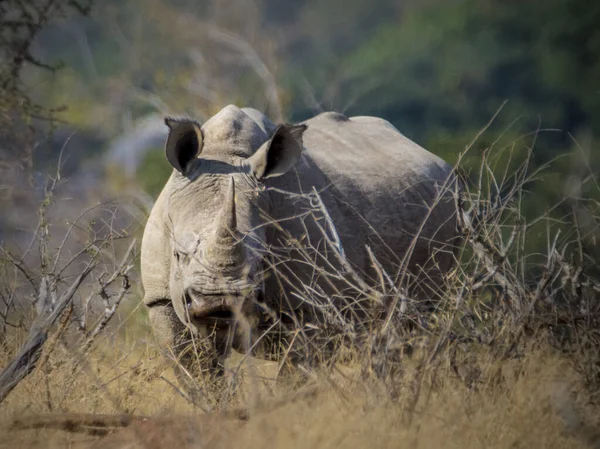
445	67
23	120
20	23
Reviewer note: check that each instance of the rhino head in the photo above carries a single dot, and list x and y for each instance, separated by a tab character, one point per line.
213	215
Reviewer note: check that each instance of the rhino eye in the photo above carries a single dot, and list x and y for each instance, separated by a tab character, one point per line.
180	255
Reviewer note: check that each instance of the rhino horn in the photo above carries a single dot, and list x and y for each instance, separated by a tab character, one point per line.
227	250
227	225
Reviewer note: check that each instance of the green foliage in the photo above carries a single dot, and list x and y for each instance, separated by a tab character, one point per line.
445	68
153	172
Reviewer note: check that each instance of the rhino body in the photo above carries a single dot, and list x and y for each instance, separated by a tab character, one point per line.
255	212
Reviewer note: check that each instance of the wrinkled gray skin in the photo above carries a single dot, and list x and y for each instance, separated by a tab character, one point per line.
203	251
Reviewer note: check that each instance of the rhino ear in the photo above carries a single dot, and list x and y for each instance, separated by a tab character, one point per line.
280	153
184	142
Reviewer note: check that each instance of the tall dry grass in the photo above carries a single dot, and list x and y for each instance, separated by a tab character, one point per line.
537	402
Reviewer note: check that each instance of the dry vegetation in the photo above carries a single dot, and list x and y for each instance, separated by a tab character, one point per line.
508	358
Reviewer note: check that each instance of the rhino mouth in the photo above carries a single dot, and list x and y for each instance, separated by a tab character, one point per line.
211	314
219	310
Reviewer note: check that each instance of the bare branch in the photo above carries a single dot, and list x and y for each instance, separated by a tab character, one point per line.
26	359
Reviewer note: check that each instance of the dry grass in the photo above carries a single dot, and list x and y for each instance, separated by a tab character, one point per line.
538	401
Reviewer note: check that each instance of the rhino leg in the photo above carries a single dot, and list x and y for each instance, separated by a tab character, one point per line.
196	357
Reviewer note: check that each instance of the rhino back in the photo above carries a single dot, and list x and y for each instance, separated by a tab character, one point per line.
369	154
378	186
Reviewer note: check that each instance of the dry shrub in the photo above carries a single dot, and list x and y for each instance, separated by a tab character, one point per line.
451	416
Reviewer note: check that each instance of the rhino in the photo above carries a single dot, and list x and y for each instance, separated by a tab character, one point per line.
255	216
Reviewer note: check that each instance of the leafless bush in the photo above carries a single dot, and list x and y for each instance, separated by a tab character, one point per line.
66	279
